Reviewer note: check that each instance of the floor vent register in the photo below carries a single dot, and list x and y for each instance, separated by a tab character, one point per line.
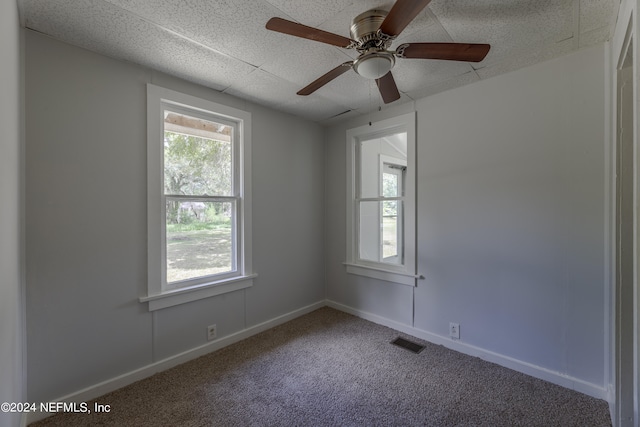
409	345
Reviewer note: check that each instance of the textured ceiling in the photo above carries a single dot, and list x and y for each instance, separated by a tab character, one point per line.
223	44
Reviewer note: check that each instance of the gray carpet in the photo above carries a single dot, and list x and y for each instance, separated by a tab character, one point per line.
329	368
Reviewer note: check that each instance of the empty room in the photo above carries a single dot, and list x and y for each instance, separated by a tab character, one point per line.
351	212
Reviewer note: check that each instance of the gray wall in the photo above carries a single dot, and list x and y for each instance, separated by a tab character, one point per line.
86	222
510	211
510	220
11	301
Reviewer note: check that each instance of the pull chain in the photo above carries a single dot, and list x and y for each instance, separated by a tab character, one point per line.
370	101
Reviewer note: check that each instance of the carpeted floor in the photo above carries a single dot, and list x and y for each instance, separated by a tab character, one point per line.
329	368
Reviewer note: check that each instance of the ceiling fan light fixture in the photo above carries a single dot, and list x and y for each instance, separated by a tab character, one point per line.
372	34
374	65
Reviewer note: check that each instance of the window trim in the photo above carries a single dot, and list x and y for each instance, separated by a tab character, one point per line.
158	294
400	274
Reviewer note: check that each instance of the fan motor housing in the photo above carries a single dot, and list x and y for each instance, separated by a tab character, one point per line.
364	27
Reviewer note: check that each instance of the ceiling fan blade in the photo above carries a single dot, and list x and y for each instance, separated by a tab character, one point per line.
388	88
326	78
294	29
401	14
449	51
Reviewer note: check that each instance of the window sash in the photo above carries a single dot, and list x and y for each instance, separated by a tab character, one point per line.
235	248
361	243
170	107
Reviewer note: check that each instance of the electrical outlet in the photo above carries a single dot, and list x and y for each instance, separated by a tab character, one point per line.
454	330
212	332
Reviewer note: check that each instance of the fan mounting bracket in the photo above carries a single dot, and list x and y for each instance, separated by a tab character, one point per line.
365	31
400	50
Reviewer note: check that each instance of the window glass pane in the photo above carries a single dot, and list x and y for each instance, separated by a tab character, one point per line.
380	234
390	185
197	156
391	232
381	230
369	168
370	231
371	152
199	239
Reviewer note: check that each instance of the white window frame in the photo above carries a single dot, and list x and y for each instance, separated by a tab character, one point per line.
404	274
160	294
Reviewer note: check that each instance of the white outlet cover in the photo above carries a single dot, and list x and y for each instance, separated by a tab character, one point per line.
211	332
454	330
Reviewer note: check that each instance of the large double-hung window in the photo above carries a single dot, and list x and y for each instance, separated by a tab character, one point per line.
199	221
381	200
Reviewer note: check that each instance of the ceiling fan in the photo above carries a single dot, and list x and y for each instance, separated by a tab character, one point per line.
372	33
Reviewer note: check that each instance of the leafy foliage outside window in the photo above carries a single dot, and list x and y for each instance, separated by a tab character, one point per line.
195	166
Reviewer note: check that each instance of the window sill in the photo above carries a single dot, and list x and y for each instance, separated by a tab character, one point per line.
194	293
382	274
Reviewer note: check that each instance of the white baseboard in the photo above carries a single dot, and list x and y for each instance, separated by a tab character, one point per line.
123	380
499	359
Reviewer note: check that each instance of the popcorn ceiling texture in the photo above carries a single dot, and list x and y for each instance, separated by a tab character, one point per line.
331	368
224	44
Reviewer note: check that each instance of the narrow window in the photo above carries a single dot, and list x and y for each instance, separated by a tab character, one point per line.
381	200
199	198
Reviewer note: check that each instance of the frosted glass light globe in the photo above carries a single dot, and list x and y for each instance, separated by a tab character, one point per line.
374	66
